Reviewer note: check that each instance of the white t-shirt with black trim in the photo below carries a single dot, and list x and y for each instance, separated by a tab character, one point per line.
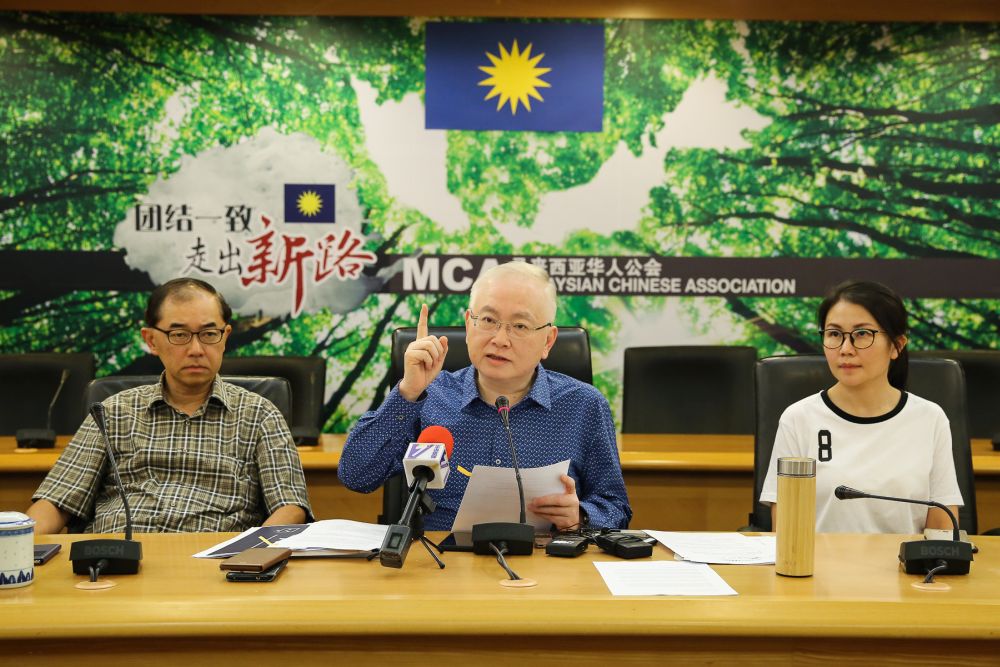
905	453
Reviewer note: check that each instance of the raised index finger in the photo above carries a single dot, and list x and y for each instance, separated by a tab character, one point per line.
422	322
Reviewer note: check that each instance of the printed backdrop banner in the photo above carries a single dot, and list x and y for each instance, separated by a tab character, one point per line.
684	182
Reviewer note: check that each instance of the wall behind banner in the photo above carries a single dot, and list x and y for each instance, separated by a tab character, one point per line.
140	147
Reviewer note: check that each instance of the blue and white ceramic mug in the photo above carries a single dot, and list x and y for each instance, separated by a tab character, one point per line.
17	550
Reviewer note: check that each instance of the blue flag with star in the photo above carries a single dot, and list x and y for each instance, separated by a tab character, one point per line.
515	76
310	202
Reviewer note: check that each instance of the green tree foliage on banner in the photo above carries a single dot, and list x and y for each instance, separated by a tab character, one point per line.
883	142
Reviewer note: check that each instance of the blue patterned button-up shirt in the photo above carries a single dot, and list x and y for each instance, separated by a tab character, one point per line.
560	418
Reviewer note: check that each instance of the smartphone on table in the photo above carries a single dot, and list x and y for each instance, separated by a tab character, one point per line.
256	564
266	575
45	552
255	559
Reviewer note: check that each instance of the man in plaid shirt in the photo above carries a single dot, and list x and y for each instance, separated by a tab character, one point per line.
194	453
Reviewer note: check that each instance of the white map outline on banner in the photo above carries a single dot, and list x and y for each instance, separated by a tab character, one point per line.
310	266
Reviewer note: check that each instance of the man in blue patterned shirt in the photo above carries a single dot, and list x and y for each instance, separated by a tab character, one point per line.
195	454
509	332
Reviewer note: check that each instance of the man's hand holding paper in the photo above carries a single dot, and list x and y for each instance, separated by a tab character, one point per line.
491	495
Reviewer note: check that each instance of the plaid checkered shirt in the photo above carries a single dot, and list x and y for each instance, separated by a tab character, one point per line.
227	467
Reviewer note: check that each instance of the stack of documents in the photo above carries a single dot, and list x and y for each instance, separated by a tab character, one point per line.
718	548
333	537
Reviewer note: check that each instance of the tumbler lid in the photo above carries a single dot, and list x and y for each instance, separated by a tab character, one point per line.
796	467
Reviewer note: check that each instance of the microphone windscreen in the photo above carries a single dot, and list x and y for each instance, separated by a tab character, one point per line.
438	434
502	403
847	493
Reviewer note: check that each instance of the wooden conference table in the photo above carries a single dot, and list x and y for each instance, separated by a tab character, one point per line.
180	610
674	482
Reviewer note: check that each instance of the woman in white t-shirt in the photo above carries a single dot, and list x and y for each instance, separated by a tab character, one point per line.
866	431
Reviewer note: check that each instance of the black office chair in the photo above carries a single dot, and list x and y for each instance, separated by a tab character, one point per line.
569	355
144	364
307	377
28	383
781	381
275	389
982	388
688	389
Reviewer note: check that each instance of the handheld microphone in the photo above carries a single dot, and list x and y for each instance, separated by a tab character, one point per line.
107	555
922	556
517	538
42	438
426	466
428	457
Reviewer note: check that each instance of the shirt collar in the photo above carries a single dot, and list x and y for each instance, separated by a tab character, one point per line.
221	393
158	392
540	391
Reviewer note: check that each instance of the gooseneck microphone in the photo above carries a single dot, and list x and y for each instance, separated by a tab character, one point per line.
43	438
847	493
426	466
107	555
499	538
924	556
503	407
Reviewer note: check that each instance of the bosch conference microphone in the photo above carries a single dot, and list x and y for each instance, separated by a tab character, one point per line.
107	556
924	556
42	438
516	539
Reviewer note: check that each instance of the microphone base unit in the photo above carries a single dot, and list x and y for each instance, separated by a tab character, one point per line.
35	438
520	538
921	556
123	556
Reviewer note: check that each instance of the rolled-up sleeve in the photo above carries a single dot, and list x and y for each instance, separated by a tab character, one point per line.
282	480
375	446
603	496
72	484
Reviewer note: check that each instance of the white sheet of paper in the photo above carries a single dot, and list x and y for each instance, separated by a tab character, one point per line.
341	534
719	548
662	577
491	495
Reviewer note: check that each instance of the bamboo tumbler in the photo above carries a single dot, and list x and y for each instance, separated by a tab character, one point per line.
796	517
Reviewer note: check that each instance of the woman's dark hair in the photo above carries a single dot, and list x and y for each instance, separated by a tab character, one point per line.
889	313
181	286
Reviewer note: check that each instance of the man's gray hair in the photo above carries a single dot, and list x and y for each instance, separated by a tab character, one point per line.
523	269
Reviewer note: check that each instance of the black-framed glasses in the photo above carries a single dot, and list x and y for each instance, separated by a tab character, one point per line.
492	325
860	338
183	336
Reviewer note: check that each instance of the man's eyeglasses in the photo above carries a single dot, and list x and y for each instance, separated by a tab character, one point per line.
860	338
492	325
183	336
